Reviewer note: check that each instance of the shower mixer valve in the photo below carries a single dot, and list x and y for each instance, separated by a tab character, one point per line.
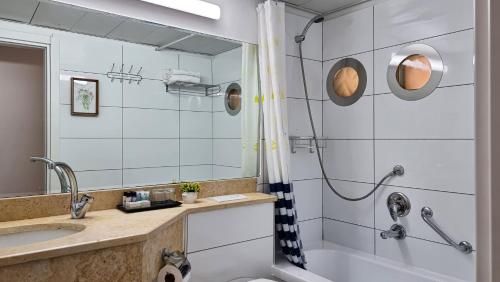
397	232
399	205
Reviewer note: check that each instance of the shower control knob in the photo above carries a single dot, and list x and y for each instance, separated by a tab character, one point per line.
399	205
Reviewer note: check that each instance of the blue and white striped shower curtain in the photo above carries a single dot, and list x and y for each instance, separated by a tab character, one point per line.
272	71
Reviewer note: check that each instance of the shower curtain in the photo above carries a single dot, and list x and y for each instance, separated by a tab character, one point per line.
249	109
272	71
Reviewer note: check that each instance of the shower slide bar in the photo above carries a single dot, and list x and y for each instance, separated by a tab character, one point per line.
464	246
306	142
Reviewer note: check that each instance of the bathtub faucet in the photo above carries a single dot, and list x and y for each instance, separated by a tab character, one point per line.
397	232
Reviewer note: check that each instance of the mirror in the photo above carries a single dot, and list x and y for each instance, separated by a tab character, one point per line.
125	103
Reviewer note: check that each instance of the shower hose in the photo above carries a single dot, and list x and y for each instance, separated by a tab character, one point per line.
393	173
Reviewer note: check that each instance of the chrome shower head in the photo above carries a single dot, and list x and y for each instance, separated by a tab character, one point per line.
302	36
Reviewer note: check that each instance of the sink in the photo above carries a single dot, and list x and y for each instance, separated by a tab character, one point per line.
29	234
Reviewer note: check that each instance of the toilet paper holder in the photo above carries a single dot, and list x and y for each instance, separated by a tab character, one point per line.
176	258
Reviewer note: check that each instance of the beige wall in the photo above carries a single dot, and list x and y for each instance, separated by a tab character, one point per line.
22	106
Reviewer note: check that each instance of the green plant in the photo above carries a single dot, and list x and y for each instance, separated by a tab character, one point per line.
188	187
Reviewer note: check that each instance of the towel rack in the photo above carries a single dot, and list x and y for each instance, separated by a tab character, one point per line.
306	142
194	88
464	246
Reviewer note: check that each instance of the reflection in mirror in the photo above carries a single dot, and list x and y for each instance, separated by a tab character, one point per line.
161	103
414	72
233	99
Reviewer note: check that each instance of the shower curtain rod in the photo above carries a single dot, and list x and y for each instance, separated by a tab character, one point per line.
291	5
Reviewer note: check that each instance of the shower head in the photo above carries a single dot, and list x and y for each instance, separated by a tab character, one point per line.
302	36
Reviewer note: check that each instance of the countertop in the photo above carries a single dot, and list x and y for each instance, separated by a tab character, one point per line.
108	228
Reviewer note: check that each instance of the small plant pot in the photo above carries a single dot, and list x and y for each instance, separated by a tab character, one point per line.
189	197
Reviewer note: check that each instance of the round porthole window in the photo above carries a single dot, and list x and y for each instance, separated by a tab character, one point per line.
232	99
415	72
346	82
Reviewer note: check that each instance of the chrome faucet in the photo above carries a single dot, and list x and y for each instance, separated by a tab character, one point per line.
64	173
397	232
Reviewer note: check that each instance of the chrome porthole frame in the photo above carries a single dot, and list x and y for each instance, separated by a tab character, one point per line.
361	72
231	87
437	68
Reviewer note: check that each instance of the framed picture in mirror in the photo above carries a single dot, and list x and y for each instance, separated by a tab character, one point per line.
84	97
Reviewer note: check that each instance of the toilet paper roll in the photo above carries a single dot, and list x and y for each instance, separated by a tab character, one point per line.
173	272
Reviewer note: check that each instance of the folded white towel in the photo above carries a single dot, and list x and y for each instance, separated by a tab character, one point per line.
175	76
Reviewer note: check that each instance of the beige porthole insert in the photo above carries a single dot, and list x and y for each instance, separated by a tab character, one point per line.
232	99
415	72
346	82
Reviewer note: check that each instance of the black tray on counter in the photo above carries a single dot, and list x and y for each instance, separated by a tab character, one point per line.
154	206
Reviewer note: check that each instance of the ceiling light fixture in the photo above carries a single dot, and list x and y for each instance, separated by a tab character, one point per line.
196	7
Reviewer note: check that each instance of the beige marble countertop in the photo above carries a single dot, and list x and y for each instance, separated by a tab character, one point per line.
108	228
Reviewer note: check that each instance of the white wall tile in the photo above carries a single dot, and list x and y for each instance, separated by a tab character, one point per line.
448	209
108	124
196	151
149	94
311	232
432	256
227	126
366	60
209	229
360	212
153	63
446	165
150	176
349	235
89	54
448	113
227	66
403	21
102	179
195	103
147	123
298	117
197	63
196	173
352	122
348	34
304	165
295	84
311	47
226	172
138	153
308	196
228	152
91	154
196	125
456	51
349	160
110	92
254	259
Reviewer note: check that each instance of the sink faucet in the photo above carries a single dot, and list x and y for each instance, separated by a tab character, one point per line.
64	172
397	232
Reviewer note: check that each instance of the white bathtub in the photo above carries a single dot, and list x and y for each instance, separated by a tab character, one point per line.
333	263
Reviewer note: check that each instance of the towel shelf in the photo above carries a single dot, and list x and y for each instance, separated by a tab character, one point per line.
306	142
194	88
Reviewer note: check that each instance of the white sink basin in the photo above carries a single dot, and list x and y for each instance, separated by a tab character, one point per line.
29	234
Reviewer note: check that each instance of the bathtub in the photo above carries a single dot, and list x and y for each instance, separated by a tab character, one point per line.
333	263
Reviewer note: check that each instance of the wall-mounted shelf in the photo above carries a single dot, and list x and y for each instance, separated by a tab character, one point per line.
305	142
194	88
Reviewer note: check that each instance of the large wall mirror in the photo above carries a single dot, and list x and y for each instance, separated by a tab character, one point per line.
125	103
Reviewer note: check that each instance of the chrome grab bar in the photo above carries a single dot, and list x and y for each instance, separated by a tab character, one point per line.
464	246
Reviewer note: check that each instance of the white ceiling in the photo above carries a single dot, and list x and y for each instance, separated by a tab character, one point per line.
324	6
79	20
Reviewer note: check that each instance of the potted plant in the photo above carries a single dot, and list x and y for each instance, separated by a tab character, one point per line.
190	192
